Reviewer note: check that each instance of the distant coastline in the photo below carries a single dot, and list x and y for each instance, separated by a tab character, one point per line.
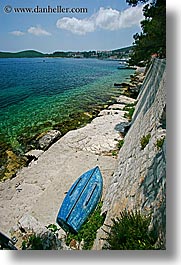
113	54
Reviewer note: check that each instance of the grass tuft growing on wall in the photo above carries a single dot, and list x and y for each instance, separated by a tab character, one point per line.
130	231
145	140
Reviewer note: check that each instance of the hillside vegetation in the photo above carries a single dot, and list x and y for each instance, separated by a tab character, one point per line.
21	54
84	54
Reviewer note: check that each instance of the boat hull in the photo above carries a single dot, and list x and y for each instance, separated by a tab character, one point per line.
80	201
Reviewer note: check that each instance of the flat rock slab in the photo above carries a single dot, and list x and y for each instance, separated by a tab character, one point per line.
125	100
99	136
117	107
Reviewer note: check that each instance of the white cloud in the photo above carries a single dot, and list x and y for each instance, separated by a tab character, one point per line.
131	17
17	33
38	31
75	25
105	18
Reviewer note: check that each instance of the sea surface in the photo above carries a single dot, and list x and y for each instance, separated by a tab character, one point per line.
36	94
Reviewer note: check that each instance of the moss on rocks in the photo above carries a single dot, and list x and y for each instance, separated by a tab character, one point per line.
12	163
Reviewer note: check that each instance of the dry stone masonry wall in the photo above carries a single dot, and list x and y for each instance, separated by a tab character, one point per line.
139	181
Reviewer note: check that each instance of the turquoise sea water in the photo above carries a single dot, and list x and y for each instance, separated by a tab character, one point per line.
40	92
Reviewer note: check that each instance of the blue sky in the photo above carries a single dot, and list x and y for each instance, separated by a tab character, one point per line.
108	24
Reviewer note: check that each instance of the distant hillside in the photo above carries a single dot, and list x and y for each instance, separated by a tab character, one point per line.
84	54
125	49
23	54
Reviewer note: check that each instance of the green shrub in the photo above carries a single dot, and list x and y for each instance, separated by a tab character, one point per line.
114	152
34	242
89	229
130	232
159	143
129	105
145	140
53	228
129	113
120	144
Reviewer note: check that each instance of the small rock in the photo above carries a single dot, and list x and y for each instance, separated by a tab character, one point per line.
48	139
29	226
125	100
117	107
34	154
29	223
74	244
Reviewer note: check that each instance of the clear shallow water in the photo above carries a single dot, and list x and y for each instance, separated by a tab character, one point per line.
43	92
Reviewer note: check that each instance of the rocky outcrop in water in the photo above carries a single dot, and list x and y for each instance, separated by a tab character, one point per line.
48	139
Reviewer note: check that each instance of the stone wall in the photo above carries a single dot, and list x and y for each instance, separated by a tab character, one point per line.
139	181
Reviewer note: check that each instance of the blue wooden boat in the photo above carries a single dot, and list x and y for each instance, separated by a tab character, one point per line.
80	201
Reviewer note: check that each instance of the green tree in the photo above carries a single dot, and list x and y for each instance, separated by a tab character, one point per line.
135	2
152	39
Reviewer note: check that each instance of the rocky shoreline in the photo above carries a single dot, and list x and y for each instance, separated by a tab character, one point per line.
38	189
12	160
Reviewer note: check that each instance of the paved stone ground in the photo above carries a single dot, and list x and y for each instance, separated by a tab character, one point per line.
40	188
